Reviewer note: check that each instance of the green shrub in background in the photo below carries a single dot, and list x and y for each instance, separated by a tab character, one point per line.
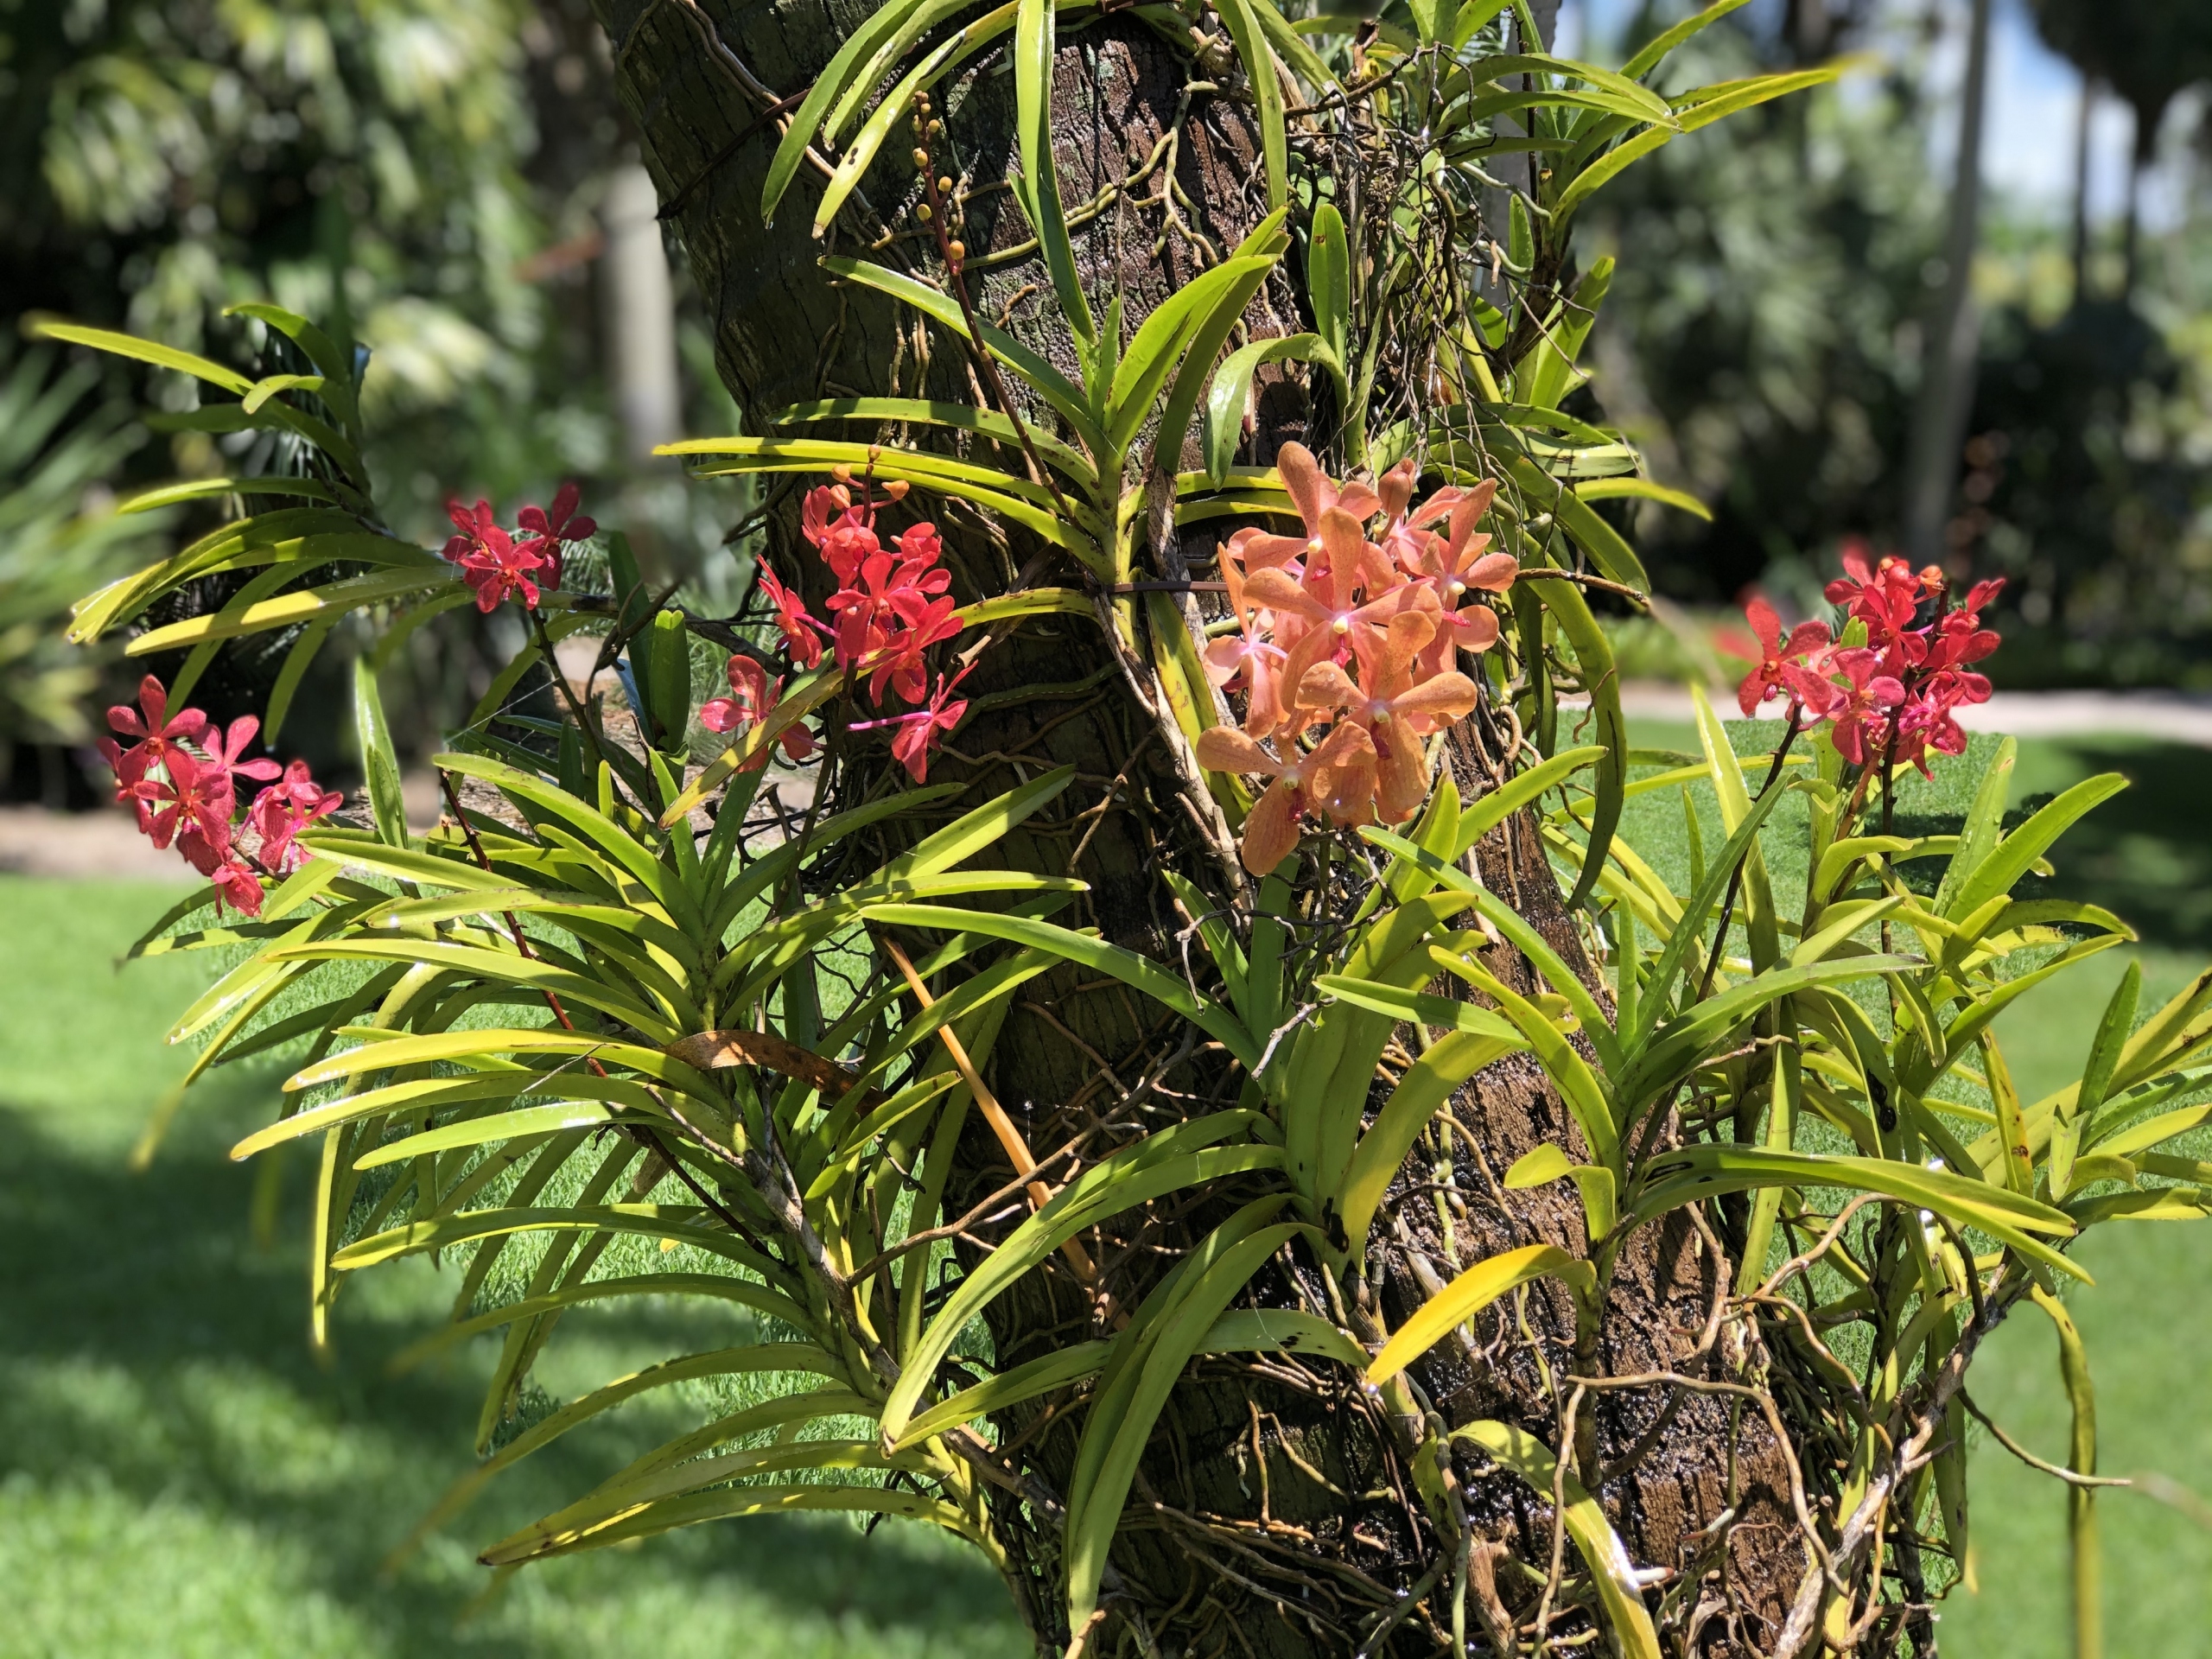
58	532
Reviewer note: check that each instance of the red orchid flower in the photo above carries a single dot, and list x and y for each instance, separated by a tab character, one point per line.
844	539
921	731
192	809
159	736
1928	721
282	810
752	698
1860	706
236	882
1781	662
901	661
1883	596
490	563
1337	777
550	527
224	748
802	635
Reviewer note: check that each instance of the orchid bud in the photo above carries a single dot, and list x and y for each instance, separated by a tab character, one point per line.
956	252
945	187
922	212
843	474
897	488
935	127
921	157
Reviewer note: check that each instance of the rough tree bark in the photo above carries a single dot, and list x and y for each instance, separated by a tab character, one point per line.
1255	1526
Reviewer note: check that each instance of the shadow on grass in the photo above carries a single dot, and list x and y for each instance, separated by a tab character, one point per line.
156	1356
2146	853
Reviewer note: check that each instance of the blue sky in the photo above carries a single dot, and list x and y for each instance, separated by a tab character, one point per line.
2035	101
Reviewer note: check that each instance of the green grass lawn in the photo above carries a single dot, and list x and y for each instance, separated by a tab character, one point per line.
180	1480
178	1477
2147	853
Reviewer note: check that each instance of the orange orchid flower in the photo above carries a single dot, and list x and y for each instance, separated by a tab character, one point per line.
1397	709
1336	777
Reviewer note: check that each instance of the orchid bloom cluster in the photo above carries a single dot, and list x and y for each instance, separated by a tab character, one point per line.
182	777
891	605
1893	698
1346	647
496	563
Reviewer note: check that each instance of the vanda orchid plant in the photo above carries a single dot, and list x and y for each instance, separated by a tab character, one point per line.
1382	1213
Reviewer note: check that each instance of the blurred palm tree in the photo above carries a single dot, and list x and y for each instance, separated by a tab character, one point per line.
2148	52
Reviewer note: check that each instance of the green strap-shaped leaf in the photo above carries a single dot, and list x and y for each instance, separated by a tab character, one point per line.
2012	857
1594	657
1680	1043
756	1359
646	1220
1656	51
946	55
1240	18
1587	1099
1599	1192
202	489
1472	1291
1267	242
986	422
1523	938
871	46
1047	382
1328	288
1168	1161
1168	333
144	351
1057	1370
372	737
462	1046
1428	1082
1674	1178
334	359
1232	387
1122	1419
727	1502
1140	972
1039	188
1595	1540
721	1287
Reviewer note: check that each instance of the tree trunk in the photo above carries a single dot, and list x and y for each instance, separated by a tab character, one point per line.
1954	337
1264	1519
2081	130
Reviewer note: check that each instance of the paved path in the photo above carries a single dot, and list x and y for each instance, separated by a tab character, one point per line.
36	842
